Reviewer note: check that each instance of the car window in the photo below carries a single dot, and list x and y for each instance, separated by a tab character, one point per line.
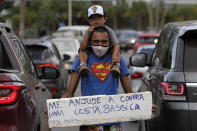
190	53
56	52
38	52
21	55
165	56
29	60
66	45
4	59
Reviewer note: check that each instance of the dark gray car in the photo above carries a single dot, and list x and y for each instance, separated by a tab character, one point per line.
172	78
126	38
46	54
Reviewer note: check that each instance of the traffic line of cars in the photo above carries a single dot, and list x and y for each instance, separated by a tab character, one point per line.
32	71
46	54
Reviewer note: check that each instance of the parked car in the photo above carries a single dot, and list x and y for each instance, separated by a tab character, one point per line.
46	54
146	39
22	95
137	73
68	49
172	78
126	38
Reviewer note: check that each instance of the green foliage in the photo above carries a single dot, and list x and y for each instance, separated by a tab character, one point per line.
44	15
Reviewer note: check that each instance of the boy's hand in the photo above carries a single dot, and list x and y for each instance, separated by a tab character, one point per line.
154	107
90	29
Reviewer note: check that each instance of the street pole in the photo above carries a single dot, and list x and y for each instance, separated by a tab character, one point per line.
22	19
69	12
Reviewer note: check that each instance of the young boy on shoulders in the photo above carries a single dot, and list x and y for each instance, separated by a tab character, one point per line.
96	18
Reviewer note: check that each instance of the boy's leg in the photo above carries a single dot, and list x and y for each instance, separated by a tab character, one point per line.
83	58
115	70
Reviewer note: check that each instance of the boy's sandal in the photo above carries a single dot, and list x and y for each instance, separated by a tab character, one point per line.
115	70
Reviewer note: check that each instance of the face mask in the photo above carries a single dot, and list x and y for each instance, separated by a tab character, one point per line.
100	50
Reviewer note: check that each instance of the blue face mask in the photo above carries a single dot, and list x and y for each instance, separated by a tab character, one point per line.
100	50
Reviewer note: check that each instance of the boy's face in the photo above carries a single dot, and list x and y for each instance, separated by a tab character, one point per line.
96	20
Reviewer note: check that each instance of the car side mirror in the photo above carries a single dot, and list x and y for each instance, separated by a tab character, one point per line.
138	60
49	73
66	57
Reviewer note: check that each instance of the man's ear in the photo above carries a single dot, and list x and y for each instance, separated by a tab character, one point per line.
105	18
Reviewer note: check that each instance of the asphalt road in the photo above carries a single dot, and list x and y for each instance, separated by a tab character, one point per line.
127	126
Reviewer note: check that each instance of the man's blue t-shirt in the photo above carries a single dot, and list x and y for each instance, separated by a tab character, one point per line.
100	80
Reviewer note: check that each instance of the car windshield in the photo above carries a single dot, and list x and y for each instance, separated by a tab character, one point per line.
126	35
148	40
39	52
66	45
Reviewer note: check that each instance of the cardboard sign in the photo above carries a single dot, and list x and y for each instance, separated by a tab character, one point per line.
99	109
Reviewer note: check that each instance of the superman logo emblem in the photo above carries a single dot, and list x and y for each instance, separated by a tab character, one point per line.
101	70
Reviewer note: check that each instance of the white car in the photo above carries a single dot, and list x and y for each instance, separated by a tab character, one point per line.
77	30
137	73
68	49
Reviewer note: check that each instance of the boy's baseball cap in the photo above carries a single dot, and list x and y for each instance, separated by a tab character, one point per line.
95	9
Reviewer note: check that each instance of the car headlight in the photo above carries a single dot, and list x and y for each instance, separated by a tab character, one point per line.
132	41
155	41
66	65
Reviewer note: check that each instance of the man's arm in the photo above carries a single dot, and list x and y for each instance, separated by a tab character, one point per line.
126	85
72	86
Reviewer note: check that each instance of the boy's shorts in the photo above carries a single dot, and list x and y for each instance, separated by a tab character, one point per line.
101	128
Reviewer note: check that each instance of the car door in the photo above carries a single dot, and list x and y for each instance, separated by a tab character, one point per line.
41	92
190	72
159	74
63	72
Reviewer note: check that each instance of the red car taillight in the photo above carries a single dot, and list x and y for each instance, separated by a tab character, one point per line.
8	93
173	89
48	65
53	90
137	75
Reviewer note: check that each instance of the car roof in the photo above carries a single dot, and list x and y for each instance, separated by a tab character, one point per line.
37	42
126	30
152	46
74	27
181	27
149	35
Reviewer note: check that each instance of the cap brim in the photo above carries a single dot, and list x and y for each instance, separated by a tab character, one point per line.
95	14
